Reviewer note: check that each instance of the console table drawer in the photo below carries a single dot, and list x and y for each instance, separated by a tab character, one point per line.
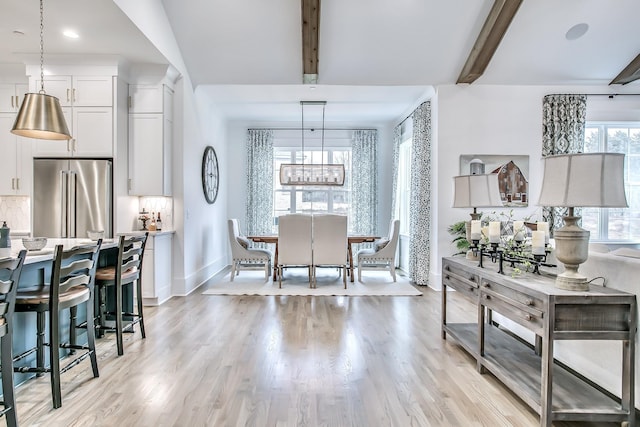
526	316
520	300
460	280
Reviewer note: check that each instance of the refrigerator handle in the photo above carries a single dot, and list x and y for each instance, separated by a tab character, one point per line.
71	204
63	203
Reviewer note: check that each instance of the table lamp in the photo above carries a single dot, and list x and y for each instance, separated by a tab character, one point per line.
476	191
580	180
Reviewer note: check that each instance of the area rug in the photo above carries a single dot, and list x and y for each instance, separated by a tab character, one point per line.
296	282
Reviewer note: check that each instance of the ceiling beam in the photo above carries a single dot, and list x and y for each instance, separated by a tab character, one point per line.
310	38
493	30
629	74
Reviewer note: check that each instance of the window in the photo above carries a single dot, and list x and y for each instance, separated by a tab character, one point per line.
404	185
311	199
616	224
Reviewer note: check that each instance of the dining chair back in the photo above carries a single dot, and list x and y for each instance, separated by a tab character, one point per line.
294	243
10	270
330	243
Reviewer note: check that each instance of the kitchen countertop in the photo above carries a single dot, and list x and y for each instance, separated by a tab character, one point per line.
46	254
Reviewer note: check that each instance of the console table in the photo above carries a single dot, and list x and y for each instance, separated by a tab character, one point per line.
532	301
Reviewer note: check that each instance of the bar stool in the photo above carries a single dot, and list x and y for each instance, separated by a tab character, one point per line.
128	269
10	270
71	284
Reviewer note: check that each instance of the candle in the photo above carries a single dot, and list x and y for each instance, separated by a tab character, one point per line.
537	242
475	229
518	231
544	226
494	232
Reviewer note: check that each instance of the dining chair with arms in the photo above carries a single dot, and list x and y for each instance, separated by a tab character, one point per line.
243	256
127	271
330	243
294	244
71	284
382	255
10	269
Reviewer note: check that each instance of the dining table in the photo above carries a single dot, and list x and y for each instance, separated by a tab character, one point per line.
351	240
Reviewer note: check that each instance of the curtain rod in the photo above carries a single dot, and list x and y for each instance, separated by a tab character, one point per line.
611	95
311	128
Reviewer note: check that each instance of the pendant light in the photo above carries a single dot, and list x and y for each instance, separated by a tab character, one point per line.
40	115
312	173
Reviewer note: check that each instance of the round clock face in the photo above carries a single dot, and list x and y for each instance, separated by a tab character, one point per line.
210	175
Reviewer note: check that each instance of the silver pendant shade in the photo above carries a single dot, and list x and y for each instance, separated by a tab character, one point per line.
40	115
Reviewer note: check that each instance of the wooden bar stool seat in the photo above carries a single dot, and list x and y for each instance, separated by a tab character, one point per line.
71	284
10	270
127	271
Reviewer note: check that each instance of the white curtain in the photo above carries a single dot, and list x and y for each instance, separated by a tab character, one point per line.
397	139
259	215
364	188
420	203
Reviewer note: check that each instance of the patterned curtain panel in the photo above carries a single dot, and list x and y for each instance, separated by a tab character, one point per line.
563	122
259	182
397	139
420	203
364	189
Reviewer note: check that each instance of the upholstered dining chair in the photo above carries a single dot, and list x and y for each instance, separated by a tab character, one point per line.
243	256
10	270
294	244
71	284
382	255
330	243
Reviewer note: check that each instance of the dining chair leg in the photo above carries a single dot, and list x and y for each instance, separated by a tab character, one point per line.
91	337
7	381
344	276
233	270
280	276
40	325
73	318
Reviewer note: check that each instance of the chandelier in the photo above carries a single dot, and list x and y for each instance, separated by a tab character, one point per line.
312	173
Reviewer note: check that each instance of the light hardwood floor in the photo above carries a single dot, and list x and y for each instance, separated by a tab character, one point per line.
282	361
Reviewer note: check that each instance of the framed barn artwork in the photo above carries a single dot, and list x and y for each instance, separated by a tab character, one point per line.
513	175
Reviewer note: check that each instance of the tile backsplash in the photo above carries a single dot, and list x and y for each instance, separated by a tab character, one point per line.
16	210
164	205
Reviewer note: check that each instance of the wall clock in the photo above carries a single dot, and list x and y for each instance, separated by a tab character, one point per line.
210	175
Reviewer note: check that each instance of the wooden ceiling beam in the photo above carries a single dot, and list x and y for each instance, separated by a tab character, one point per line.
629	74
494	28
310	39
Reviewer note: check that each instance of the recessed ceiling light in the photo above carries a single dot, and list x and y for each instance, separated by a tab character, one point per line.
71	34
312	88
18	32
577	31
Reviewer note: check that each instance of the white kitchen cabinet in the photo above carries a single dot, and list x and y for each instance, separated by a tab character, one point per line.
11	96
17	167
78	91
156	269
91	130
150	136
146	98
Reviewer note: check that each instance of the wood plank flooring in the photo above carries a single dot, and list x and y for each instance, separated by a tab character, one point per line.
283	361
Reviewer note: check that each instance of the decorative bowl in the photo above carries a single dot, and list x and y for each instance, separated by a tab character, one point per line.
34	243
95	234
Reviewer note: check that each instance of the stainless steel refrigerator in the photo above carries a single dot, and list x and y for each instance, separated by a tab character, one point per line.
71	196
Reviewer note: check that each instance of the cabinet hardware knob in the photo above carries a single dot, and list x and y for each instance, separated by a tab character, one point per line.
529	302
472	279
487	297
487	285
527	317
446	277
471	288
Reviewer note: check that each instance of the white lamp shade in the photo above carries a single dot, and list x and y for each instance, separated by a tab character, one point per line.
476	191
584	180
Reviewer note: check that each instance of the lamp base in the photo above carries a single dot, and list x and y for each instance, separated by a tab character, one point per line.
572	281
572	249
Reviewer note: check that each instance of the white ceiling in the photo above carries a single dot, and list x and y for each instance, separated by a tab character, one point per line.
377	57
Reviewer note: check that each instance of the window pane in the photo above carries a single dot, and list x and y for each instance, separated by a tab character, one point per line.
619	224
617	140
592	140
341	202
591	221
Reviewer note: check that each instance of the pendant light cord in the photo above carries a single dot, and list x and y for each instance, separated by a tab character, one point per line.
41	47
